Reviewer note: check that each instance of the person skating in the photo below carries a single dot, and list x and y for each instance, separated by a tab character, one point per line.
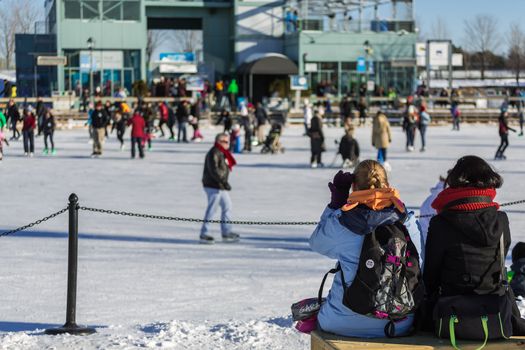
225	118
48	128
261	117
349	148
307	115
3	123
362	109
163	116
13	116
183	113
246	123
410	121
138	125
99	120
195	116
218	164
456	115
40	111
381	138
28	131
109	108
119	124
172	120
503	128
422	125
149	118
317	146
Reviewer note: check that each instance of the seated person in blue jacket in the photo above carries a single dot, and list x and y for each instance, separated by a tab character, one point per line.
340	235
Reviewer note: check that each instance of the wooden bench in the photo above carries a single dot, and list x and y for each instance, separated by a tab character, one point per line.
425	341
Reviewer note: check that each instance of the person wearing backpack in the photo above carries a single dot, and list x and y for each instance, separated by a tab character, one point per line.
347	226
465	279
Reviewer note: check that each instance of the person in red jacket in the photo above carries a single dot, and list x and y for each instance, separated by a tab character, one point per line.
164	115
28	132
137	134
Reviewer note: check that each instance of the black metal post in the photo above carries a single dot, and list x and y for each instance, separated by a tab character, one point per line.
71	326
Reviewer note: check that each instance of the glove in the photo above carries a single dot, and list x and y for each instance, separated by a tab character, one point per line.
339	188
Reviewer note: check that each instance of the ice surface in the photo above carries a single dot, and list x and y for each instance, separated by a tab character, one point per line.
149	284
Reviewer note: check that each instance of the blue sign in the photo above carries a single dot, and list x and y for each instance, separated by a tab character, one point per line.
298	82
182	57
361	64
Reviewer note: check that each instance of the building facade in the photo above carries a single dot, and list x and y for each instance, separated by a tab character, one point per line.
107	45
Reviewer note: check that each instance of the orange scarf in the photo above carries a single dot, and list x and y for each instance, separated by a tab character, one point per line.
375	199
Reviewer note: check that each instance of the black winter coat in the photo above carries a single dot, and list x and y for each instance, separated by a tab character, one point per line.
216	170
462	252
99	118
316	135
48	125
349	148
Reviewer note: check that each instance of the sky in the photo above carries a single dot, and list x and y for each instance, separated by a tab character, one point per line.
455	12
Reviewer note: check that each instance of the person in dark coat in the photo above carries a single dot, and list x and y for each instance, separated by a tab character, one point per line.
261	117
40	111
503	134
315	132
183	114
225	118
13	115
218	164
119	124
462	249
345	108
99	120
349	148
48	128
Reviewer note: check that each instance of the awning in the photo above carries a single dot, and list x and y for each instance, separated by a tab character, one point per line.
268	64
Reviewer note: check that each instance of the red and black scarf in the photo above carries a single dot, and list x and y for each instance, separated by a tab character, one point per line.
229	157
465	199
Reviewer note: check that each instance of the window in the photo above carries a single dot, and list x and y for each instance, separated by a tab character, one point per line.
131	10
112	10
72	9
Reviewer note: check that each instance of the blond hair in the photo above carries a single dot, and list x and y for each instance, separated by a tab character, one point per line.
369	174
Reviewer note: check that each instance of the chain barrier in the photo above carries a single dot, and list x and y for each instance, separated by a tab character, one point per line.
194	220
233	222
35	223
174	218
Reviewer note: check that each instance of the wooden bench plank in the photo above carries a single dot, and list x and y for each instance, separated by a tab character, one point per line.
425	341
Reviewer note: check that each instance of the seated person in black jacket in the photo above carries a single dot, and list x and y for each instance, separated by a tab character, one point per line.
349	148
462	248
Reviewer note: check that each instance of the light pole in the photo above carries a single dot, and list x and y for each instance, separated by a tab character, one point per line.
90	43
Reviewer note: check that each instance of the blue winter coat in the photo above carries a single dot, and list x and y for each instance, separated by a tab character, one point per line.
339	235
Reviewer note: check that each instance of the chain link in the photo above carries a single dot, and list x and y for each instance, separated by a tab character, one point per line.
174	218
35	223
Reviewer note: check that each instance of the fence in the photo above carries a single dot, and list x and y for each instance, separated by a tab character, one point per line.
73	208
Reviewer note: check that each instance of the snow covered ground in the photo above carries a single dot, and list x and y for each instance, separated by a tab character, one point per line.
149	284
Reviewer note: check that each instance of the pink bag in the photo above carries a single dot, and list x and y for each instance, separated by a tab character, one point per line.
307	325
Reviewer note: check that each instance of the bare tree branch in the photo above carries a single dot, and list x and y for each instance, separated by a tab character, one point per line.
482	37
439	29
516	54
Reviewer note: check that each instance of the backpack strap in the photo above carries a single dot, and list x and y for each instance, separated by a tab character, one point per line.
467	200
504	279
334	270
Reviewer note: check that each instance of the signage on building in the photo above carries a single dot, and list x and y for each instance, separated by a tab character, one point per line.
51	61
361	64
174	68
370	85
97	60
310	67
181	57
194	83
403	63
438	55
298	82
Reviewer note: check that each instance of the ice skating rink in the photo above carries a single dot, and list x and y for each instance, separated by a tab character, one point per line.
150	284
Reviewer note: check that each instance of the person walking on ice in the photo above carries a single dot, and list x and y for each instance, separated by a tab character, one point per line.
217	167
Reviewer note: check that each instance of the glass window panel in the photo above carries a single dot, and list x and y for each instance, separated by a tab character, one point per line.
72	9
112	10
90	9
132	11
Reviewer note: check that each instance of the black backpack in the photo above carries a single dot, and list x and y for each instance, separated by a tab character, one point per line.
388	283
